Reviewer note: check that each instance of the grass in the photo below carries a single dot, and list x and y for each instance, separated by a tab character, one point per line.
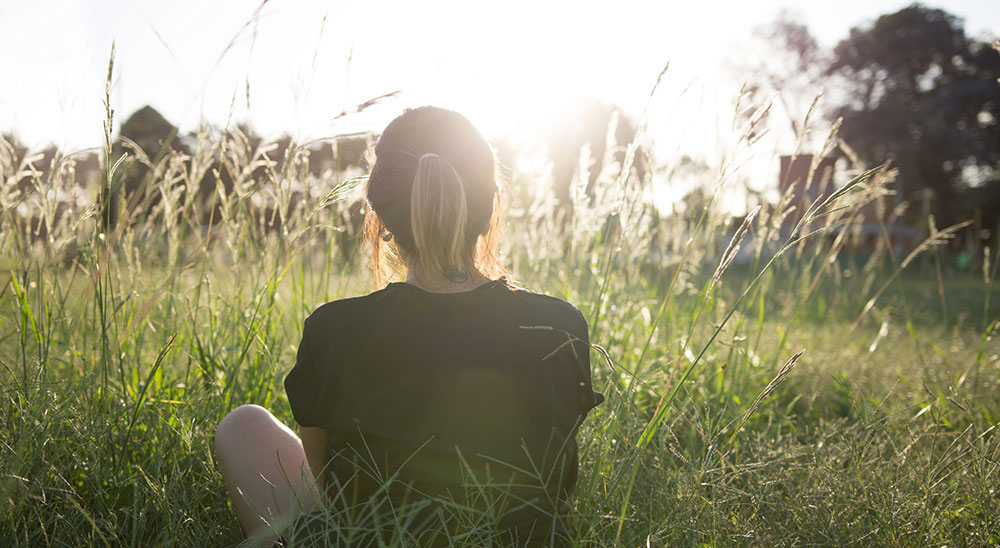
121	349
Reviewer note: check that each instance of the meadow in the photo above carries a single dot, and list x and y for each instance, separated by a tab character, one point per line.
767	383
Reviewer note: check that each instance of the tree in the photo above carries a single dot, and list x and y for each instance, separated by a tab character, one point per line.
147	133
784	62
588	122
922	94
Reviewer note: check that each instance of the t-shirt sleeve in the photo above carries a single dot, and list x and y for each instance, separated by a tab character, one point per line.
303	383
581	346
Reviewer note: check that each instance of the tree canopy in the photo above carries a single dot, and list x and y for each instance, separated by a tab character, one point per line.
910	88
922	94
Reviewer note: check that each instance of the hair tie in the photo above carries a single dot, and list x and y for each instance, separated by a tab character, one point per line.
428	155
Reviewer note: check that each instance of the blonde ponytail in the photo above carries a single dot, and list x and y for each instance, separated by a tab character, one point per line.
438	213
439	220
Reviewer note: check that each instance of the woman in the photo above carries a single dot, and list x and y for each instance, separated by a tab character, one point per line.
451	398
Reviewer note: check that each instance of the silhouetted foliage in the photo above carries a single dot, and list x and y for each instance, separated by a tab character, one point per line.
788	66
147	136
594	124
925	96
147	140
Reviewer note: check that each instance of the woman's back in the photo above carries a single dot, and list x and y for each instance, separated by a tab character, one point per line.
447	394
451	392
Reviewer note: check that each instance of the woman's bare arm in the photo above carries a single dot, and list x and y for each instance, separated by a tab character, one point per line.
314	445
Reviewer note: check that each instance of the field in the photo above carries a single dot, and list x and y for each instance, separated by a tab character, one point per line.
767	384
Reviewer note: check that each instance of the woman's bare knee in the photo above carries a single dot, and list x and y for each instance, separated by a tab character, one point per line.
240	422
243	417
263	466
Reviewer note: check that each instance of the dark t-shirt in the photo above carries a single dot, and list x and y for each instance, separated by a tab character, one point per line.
447	395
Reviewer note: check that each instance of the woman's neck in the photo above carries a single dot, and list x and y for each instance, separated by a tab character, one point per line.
441	284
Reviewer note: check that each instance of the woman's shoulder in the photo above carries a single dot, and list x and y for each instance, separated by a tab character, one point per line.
500	295
546	301
548	310
345	308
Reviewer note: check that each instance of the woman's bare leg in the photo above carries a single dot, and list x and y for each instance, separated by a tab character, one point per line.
264	470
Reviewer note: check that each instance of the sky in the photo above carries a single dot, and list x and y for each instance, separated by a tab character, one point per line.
292	66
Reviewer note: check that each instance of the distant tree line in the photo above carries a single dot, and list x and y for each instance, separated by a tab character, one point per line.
146	139
148	133
910	88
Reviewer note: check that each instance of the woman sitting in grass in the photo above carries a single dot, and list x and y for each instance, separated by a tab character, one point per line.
441	410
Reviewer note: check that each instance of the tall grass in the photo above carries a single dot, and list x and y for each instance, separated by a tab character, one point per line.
795	394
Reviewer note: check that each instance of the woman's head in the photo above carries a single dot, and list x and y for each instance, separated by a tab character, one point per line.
433	188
